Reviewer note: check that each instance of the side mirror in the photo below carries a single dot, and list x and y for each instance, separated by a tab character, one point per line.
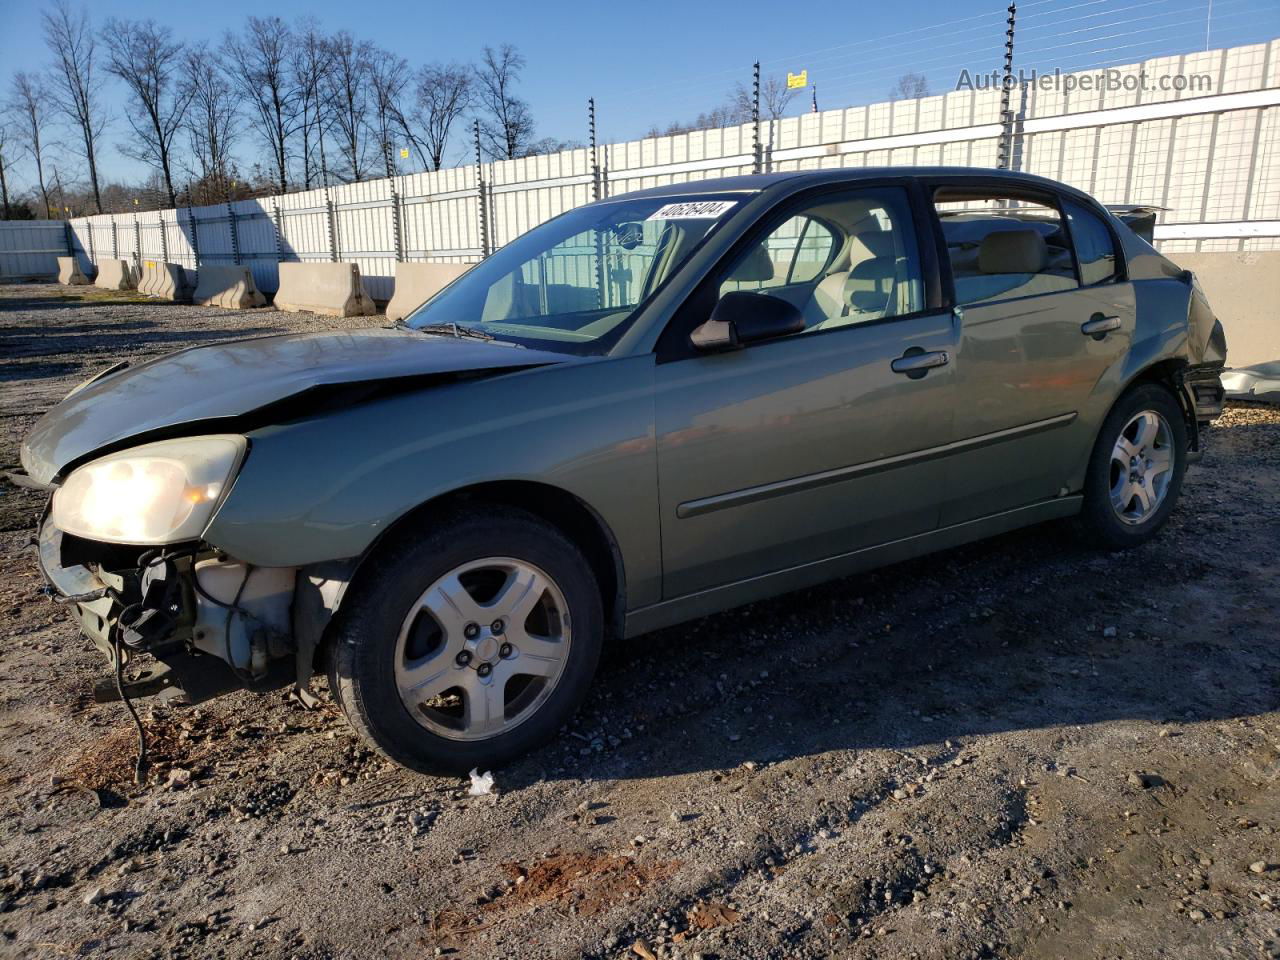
743	317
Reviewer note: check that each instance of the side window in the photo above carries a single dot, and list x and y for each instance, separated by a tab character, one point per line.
797	251
1095	249
848	258
1002	246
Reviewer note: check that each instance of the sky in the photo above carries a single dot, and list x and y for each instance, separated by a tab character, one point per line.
650	63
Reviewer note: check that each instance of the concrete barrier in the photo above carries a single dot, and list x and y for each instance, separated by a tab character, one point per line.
168	281
1244	291
115	275
333	289
69	272
230	287
416	283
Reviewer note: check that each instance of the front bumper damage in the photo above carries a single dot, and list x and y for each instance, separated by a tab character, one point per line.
199	623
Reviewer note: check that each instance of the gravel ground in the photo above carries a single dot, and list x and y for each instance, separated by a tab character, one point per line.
1015	749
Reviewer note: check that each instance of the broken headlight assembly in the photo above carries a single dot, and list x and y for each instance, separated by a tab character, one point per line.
157	493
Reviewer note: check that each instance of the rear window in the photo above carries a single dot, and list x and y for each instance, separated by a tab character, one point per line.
1001	247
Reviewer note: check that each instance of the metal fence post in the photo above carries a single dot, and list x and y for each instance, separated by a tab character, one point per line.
137	243
277	221
195	230
591	131
395	204
755	117
1006	114
164	236
480	196
115	240
235	230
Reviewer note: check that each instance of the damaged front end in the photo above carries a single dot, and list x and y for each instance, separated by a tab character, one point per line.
210	623
121	542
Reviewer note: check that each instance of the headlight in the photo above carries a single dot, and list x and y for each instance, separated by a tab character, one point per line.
162	492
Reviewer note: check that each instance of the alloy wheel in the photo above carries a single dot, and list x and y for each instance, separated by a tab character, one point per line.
1142	463
482	648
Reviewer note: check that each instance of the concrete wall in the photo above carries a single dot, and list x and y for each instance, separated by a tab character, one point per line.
1244	291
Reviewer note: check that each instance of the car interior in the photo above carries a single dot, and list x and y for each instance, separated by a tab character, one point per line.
1002	247
841	263
846	261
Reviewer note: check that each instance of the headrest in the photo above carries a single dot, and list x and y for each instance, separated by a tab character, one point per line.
877	268
878	242
1012	251
756	268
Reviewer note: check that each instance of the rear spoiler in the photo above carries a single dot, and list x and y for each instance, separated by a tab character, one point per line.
1138	217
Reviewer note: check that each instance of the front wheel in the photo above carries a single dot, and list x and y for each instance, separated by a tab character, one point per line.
1136	470
470	643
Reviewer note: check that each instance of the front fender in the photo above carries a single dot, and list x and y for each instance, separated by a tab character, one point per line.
324	489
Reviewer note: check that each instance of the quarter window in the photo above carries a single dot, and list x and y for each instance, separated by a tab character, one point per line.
1095	249
1001	246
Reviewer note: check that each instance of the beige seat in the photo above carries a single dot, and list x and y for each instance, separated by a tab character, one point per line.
865	291
1011	263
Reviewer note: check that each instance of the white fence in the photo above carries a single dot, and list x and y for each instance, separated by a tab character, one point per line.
1211	157
29	248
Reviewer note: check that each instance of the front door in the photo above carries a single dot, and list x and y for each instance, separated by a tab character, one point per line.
815	444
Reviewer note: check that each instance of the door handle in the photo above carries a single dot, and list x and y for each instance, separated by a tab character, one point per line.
1098	326
915	363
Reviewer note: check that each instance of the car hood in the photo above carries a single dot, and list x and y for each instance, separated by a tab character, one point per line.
214	385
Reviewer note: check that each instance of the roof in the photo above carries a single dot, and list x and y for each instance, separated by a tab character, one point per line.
797	178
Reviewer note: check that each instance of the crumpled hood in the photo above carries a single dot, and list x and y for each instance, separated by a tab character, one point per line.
227	380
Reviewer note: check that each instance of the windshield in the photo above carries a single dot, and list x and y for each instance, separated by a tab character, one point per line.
575	283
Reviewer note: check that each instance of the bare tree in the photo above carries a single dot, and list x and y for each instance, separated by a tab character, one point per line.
550	145
910	86
508	125
75	94
347	89
31	120
388	78
775	97
310	63
211	118
258	62
6	143
442	93
147	58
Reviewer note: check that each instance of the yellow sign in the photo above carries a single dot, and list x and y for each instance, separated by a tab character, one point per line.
797	81
135	201
404	153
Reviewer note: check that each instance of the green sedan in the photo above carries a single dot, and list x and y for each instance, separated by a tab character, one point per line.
646	410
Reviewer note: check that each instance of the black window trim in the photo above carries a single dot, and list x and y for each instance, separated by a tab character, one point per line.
674	344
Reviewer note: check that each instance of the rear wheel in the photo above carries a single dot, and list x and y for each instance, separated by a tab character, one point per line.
1136	470
469	644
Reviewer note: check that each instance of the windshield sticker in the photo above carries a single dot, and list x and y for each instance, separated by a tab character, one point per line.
693	210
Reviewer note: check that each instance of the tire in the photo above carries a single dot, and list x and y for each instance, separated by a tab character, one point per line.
412	617
1117	513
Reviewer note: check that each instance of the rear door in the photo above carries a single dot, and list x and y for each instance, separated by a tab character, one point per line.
1042	320
812	445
